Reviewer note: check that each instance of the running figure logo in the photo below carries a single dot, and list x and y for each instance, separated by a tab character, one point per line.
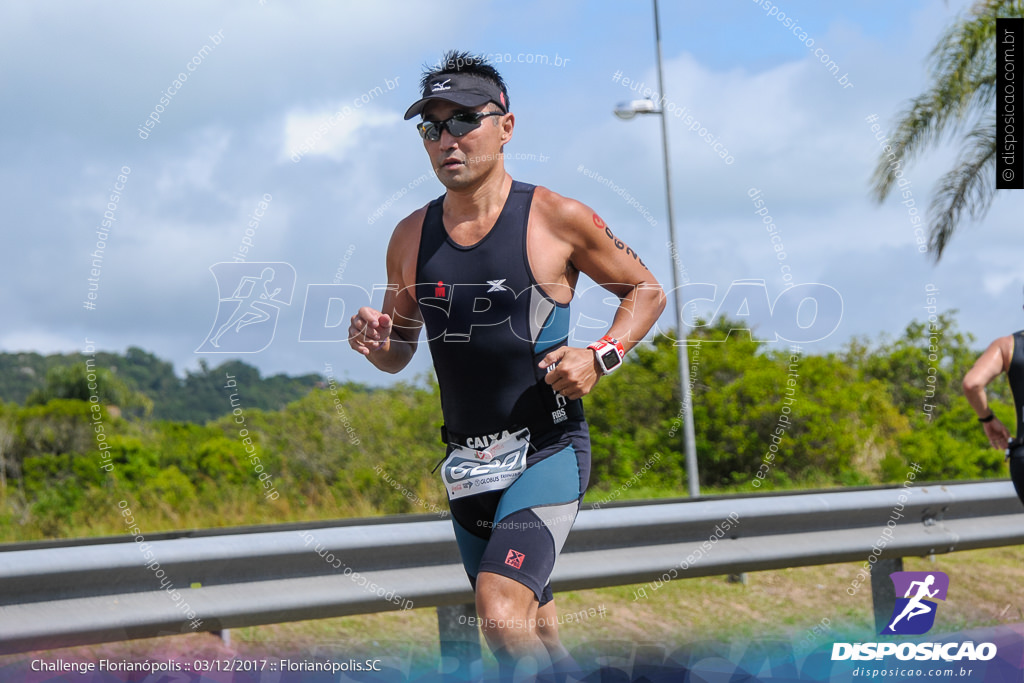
914	613
247	319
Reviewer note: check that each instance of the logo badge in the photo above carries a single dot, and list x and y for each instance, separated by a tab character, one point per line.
497	286
515	559
247	317
914	613
441	85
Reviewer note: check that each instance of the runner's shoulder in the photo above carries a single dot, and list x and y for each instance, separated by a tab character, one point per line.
1001	348
1004	344
406	237
411	224
563	214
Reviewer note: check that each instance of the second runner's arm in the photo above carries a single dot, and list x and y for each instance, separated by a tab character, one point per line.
992	363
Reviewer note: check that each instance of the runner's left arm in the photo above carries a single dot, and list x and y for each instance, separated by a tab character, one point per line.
610	262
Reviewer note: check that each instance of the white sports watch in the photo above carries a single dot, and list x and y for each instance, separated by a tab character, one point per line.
609	353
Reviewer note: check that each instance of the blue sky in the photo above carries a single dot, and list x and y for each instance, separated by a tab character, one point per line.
82	78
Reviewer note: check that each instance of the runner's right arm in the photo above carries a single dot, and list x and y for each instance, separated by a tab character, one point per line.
388	337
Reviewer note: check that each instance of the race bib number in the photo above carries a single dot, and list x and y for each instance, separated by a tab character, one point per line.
468	471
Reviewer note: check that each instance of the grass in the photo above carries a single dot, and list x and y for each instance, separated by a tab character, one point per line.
98	514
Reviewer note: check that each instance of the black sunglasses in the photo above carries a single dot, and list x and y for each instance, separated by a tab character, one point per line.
458	125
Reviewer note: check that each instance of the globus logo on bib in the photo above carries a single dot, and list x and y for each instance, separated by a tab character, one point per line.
914	614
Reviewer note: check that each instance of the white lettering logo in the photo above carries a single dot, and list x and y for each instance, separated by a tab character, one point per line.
482	442
496	285
949	652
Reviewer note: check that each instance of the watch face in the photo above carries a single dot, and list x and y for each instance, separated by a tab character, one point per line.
610	358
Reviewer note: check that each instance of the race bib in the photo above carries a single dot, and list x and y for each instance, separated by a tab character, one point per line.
468	471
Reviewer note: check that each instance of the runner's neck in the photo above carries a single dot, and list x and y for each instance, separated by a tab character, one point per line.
479	205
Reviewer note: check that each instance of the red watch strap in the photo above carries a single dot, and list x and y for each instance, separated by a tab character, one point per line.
616	343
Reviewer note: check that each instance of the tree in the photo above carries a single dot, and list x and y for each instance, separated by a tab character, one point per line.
142	370
8	430
960	97
757	407
82	382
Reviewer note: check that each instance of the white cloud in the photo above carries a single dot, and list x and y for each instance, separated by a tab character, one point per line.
332	132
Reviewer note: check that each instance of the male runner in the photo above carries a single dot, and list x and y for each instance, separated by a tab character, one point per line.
490	267
1005	354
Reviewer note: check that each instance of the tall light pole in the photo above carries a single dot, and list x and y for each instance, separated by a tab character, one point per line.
628	110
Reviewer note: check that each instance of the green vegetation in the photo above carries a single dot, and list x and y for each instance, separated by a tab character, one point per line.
139	379
766	419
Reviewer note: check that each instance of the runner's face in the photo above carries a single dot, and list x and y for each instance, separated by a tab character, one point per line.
461	162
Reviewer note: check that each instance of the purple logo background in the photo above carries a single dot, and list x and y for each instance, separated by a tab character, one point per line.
914	613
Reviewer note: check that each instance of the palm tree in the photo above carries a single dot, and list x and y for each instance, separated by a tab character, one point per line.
960	98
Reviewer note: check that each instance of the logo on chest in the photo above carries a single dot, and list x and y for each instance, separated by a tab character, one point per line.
467	305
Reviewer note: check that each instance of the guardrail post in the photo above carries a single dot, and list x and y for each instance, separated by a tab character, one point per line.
883	594
460	639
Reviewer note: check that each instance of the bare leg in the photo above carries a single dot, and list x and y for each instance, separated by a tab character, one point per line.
508	617
547	628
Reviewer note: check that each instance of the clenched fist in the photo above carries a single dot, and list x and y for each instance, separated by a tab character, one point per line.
370	331
575	372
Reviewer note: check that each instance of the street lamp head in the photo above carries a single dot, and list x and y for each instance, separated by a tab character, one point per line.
627	110
624	111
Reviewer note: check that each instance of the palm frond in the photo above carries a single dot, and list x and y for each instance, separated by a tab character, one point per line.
962	67
968	188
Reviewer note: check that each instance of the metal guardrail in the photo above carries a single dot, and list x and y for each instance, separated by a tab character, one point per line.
100	590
